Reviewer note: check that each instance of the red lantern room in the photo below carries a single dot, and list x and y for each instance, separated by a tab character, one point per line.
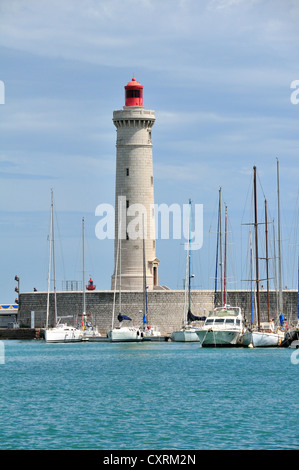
134	93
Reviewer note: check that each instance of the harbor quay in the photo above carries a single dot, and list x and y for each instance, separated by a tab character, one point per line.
165	307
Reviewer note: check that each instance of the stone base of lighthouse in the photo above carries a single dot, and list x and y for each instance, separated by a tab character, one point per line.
134	280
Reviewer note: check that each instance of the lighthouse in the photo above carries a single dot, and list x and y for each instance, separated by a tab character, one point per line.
134	244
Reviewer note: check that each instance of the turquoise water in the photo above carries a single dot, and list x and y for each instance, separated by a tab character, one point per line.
167	396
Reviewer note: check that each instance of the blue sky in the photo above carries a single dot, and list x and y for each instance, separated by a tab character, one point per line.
218	75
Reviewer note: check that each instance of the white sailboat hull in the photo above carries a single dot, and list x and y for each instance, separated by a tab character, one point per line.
218	338
183	336
90	334
125	334
153	332
63	334
260	339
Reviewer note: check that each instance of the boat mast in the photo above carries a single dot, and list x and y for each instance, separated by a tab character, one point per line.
256	251
115	278
267	259
145	311
49	268
189	258
251	269
188	270
275	265
83	271
280	304
220	242
216	269
53	251
225	244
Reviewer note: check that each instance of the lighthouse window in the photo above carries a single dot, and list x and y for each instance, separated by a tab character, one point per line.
132	93
128	171
127	203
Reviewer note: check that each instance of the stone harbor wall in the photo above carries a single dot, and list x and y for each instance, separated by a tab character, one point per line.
165	307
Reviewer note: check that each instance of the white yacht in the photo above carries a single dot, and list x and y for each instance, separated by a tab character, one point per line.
265	336
125	334
121	333
60	332
185	335
63	333
150	332
223	327
88	330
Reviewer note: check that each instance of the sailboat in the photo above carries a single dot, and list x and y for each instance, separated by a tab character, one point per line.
224	326
188	331
88	330
149	332
61	332
121	333
264	334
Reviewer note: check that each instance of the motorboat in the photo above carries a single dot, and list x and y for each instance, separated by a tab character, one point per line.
223	327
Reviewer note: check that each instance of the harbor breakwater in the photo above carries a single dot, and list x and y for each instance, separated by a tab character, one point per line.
165	307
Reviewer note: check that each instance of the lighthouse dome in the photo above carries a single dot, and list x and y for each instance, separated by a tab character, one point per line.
134	93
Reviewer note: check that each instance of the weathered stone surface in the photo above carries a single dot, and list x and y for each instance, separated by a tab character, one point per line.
165	308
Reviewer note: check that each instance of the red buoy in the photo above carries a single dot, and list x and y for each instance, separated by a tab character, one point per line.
90	285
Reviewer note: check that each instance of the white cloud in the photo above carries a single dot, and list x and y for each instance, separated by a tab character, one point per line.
219	4
218	75
106	32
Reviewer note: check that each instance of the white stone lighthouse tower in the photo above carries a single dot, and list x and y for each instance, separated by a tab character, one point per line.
134	246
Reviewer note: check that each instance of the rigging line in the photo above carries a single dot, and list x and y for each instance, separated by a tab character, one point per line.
261	186
89	258
77	258
231	252
245	205
61	253
293	245
57	230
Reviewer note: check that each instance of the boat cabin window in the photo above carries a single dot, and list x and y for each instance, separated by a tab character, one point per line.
209	322
238	322
219	320
230	321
